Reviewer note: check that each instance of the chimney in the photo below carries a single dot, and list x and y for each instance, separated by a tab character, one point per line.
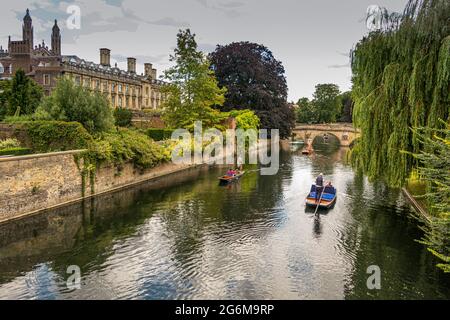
148	69
105	57
131	65
154	74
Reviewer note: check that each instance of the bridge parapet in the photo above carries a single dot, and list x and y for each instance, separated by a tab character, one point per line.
346	133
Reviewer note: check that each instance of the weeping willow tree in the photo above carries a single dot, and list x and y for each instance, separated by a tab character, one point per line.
401	76
434	168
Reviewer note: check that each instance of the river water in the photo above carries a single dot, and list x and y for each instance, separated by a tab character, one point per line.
186	237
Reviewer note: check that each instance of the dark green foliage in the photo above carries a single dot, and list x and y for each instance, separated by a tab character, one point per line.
328	106
4	88
48	136
327	103
17	151
70	102
347	107
401	79
20	96
255	80
159	134
306	112
434	168
123	117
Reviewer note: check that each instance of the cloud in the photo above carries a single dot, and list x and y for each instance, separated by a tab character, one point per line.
206	47
232	4
225	7
168	21
338	66
141	58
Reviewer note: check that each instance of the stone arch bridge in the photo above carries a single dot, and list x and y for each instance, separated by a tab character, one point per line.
344	132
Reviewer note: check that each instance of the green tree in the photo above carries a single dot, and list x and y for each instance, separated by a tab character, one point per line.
306	113
401	77
4	90
347	107
434	168
123	117
192	90
21	95
70	102
327	103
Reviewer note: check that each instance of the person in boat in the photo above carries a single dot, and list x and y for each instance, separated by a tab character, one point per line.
231	172
319	186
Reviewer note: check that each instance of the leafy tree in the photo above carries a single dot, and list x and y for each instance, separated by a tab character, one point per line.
4	90
245	119
255	80
347	107
193	88
327	103
400	80
21	95
434	168
70	102
306	112
123	117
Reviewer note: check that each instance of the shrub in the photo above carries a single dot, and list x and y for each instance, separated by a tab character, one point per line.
70	102
17	151
123	117
48	136
127	145
159	134
9	143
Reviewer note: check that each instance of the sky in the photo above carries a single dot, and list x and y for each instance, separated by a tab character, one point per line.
311	38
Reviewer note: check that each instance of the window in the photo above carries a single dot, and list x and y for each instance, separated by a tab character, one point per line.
113	87
120	102
46	79
2	70
120	88
78	80
105	86
147	90
87	82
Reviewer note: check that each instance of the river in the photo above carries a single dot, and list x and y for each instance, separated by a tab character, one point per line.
186	237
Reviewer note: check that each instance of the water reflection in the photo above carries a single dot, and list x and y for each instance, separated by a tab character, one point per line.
187	237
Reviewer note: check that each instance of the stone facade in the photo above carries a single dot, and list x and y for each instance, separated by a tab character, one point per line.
45	65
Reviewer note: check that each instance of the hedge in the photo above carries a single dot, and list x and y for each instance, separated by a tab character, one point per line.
17	151
159	134
50	136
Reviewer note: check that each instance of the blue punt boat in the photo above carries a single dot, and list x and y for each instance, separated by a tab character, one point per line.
327	200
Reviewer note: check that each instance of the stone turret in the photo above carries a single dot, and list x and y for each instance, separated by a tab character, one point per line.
56	40
27	31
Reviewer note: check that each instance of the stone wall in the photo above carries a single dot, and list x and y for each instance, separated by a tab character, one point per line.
29	184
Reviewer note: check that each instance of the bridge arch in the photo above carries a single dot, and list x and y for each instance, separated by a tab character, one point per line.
344	132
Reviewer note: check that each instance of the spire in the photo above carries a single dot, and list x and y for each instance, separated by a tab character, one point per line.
56	39
55	26
27	16
27	31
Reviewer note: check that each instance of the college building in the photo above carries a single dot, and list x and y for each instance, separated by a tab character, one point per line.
123	88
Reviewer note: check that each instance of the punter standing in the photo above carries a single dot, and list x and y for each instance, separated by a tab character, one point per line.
319	186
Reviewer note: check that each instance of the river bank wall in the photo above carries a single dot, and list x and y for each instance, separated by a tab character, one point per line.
35	183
